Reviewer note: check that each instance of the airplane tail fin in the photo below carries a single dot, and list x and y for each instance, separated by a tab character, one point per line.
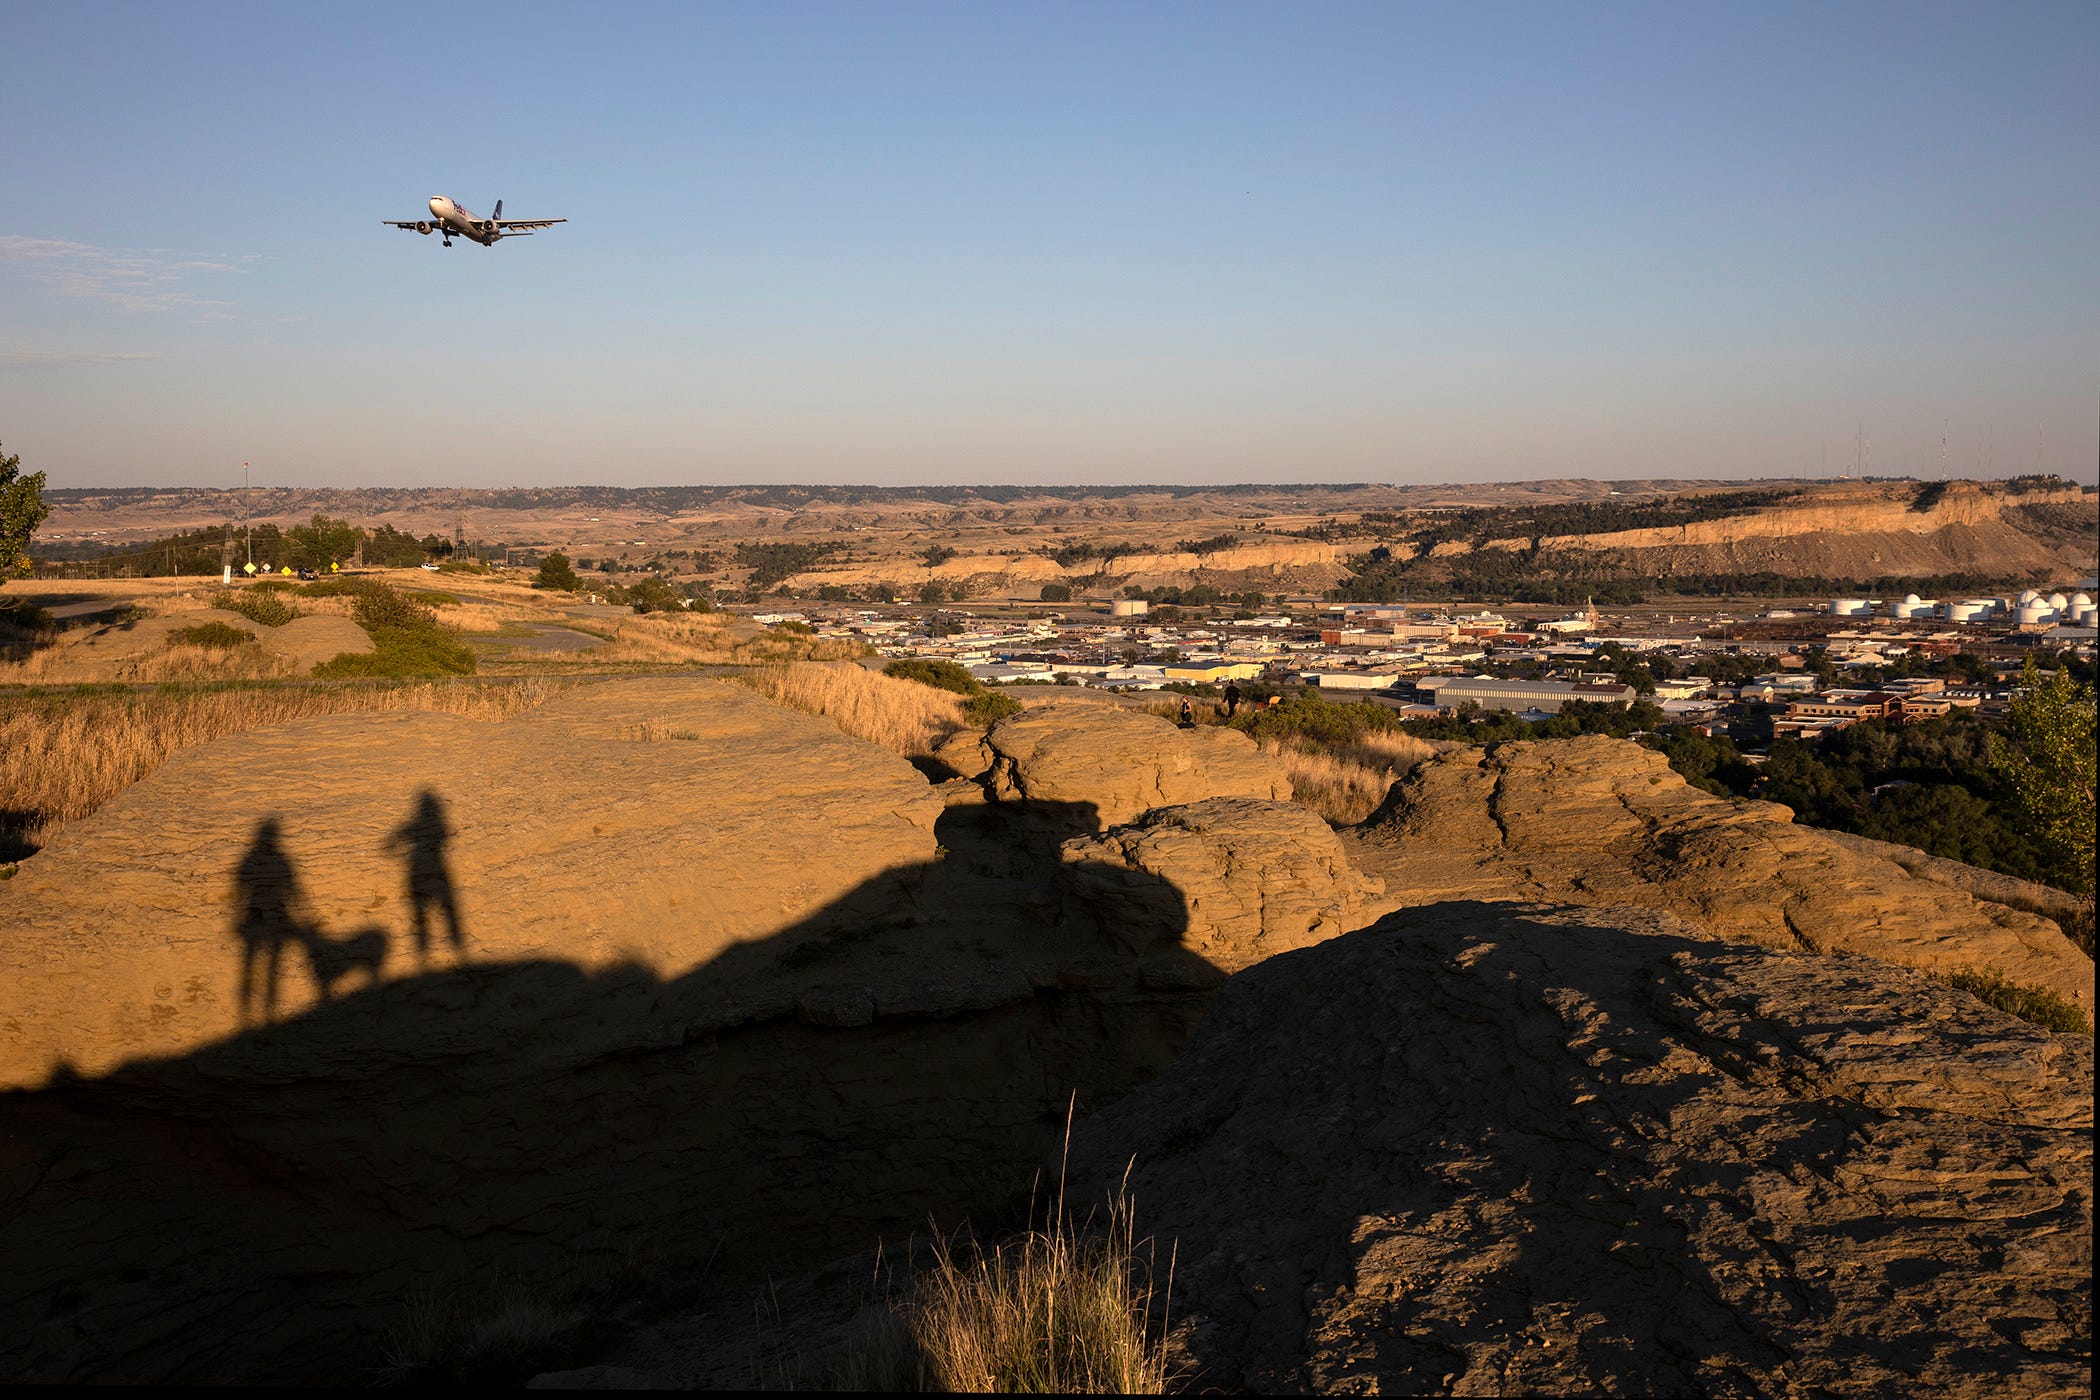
499	210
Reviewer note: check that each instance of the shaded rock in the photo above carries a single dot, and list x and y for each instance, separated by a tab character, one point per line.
306	642
1122	762
1233	879
1596	820
1488	1149
730	987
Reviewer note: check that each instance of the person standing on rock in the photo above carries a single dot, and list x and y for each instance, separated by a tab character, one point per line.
1188	714
422	839
1232	700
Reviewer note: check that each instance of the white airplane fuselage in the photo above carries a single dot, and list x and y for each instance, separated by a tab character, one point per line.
449	217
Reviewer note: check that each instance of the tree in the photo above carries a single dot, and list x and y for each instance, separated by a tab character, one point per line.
22	509
2047	769
653	594
323	542
933	592
1057	592
557	574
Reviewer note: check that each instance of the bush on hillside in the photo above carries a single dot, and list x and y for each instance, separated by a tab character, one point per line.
981	705
557	573
406	640
211	634
257	605
941	675
1311	718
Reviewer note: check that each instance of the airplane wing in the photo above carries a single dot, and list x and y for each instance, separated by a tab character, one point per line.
401	223
508	224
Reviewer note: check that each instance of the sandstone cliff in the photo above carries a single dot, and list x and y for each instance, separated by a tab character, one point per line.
1493	1150
1605	821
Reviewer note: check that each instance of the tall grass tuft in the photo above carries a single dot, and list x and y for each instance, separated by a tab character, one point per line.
1056	1312
1344	783
900	715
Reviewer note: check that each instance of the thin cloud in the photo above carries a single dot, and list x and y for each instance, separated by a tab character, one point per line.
13	361
130	279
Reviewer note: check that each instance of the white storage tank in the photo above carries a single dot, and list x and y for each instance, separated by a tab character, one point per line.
1849	607
1969	611
2058	601
2034	614
2028	597
1129	607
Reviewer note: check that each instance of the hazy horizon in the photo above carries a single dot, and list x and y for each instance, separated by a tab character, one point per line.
934	244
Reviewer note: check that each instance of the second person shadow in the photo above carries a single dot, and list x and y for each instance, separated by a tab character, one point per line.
422	840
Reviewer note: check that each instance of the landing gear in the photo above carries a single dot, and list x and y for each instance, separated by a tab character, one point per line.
448	243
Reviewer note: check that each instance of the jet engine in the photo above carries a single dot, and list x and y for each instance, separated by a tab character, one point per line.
423	228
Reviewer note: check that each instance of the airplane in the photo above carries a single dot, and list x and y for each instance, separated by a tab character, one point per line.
449	217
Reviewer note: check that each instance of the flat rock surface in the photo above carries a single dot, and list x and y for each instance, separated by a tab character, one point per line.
1493	1150
1596	820
643	824
730	992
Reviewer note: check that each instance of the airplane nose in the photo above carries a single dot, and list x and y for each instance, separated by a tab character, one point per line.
435	201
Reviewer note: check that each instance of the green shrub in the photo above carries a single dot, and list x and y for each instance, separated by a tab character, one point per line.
380	606
558	574
941	675
1057	592
989	707
2037	1005
1311	717
257	605
653	594
25	615
431	597
406	640
212	634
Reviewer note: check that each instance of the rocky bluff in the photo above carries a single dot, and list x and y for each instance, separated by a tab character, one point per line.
320	1017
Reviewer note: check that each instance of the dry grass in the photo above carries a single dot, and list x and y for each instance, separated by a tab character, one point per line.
900	715
1345	783
176	662
63	755
1057	1312
501	1339
658	639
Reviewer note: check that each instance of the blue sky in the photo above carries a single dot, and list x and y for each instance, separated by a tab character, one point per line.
900	243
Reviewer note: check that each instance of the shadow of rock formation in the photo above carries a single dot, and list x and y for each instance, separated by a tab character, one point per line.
261	1208
1491	1149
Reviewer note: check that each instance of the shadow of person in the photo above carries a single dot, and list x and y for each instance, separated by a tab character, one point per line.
421	839
264	892
267	919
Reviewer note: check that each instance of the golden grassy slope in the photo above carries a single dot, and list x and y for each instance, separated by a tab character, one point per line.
900	715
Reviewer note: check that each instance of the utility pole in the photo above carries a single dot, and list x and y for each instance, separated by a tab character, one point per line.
247	515
1943	449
